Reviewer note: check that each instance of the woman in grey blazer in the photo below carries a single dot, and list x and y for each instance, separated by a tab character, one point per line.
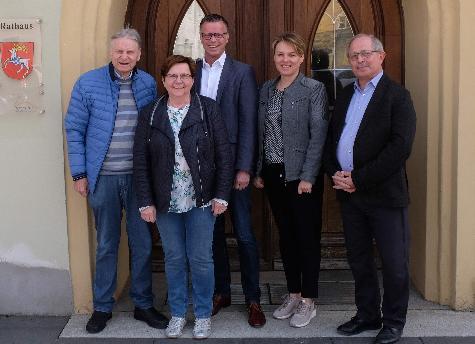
292	127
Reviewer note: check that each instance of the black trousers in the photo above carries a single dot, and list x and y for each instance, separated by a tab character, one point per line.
390	229
299	220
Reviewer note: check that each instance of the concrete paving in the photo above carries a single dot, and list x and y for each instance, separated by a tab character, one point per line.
335	306
427	322
39	330
234	325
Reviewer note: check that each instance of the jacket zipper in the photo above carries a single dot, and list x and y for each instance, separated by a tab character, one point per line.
112	132
199	173
198	151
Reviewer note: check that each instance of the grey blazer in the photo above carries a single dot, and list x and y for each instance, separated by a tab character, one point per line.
304	127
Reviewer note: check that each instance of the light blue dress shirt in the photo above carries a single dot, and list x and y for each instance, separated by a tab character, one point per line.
354	115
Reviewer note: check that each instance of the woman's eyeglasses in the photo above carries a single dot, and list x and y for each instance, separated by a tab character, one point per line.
183	77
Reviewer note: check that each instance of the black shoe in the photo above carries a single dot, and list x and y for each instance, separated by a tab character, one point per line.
357	325
98	321
220	301
152	317
388	335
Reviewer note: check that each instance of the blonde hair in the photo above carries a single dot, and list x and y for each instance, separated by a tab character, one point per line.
295	40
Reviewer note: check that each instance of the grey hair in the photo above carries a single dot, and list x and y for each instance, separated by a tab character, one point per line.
128	33
375	42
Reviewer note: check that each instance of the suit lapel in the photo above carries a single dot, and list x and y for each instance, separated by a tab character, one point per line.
373	105
197	83
225	76
340	111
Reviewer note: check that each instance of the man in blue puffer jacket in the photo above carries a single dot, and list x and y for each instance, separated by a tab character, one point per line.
100	128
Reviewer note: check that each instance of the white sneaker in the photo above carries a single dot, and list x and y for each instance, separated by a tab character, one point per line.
175	327
303	314
287	308
202	329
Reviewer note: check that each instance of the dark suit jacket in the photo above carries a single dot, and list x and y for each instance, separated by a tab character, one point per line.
382	145
237	99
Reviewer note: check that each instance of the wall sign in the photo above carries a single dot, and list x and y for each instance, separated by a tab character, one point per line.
21	79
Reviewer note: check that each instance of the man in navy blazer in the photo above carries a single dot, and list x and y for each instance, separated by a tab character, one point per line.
233	85
369	140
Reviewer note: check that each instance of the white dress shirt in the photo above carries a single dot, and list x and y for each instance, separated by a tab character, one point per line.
210	76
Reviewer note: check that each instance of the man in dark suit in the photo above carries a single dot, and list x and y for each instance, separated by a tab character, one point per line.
369	140
233	85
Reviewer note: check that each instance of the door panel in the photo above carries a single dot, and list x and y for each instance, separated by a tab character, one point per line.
252	26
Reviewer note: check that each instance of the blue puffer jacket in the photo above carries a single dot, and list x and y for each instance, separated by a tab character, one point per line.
90	119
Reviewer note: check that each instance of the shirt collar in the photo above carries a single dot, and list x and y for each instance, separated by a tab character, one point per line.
219	62
373	82
121	78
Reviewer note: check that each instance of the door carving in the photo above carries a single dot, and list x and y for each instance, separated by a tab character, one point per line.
252	26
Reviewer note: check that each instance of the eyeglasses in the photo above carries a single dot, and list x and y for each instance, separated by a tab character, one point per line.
210	35
183	77
364	53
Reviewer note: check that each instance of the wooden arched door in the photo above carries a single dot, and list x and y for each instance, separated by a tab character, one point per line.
252	26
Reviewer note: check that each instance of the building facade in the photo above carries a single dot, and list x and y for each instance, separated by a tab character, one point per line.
46	230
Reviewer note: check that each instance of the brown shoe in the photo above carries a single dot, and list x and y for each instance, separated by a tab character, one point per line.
220	301
256	315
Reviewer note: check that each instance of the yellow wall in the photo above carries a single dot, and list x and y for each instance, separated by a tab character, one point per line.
85	30
417	55
439	73
464	245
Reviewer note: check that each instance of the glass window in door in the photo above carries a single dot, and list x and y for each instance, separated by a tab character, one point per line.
187	40
329	62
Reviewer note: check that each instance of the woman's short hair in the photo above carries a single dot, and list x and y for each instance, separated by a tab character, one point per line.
295	40
129	33
176	59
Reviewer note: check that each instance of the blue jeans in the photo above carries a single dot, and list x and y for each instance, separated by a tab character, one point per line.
240	206
112	195
188	237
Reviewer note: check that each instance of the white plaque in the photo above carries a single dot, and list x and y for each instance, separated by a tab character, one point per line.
21	79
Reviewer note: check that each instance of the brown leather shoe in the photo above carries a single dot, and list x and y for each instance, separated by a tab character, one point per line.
220	301
256	315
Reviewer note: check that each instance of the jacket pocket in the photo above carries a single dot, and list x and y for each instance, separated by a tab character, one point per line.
296	111
298	159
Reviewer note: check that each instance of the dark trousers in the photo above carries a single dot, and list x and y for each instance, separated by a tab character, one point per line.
299	220
390	229
240	209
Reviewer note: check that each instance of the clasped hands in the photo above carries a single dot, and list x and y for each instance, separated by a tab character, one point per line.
342	181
